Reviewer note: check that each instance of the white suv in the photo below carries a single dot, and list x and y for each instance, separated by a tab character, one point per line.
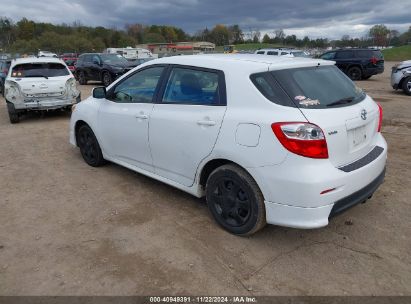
36	84
284	141
282	52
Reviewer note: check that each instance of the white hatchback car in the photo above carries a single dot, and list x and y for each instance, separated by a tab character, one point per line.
284	141
36	84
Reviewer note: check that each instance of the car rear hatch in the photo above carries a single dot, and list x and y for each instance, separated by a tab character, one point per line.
329	99
40	80
39	87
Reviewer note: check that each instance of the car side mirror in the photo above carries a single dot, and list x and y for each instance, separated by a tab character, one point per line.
99	92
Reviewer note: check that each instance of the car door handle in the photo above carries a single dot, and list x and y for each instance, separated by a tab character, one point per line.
206	122
142	116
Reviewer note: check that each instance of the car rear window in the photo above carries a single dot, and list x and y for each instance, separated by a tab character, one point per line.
310	87
50	69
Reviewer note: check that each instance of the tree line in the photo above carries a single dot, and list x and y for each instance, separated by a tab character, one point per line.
27	36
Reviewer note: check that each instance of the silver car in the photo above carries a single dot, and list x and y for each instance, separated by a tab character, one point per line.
401	76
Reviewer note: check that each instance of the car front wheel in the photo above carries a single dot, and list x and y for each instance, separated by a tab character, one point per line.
235	200
107	80
89	147
82	78
406	85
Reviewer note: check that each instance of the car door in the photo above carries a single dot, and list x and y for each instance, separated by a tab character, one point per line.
95	67
124	116
185	121
344	59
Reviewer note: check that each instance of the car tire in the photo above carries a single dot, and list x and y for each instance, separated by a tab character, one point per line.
13	115
89	147
354	73
406	85
106	79
235	200
82	78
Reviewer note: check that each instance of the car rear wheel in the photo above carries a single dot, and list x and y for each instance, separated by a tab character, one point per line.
355	73
13	115
406	85
89	147
107	80
82	78
235	200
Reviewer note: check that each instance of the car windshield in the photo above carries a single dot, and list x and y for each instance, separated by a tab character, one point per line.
49	69
318	87
113	59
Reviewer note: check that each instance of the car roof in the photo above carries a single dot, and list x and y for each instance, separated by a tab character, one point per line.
36	60
246	62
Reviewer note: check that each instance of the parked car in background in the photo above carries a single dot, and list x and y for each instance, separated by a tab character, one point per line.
71	63
38	84
282	52
68	55
102	67
46	54
357	63
401	77
284	141
4	69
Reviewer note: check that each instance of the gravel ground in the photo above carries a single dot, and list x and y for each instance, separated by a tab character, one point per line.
69	229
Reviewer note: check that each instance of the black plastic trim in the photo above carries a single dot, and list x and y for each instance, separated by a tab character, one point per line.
370	157
357	197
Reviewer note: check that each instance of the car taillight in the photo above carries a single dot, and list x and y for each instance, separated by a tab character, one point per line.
379	118
374	60
301	138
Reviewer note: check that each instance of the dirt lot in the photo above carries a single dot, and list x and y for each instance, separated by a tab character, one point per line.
69	229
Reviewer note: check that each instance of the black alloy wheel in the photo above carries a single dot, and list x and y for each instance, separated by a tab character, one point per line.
355	73
107	80
89	147
235	200
82	78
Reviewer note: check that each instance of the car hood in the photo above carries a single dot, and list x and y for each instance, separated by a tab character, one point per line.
404	64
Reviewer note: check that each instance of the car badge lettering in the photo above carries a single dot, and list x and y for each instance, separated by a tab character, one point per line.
364	114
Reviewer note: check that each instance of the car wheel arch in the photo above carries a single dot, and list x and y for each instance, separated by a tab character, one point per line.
214	164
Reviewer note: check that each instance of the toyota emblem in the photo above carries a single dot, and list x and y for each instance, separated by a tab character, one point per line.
364	114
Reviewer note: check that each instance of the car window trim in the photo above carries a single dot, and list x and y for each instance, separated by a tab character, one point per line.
222	92
110	93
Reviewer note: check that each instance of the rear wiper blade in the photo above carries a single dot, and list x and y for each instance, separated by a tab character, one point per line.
341	101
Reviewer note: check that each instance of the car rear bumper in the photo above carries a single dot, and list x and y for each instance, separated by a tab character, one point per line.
296	190
310	218
46	104
373	71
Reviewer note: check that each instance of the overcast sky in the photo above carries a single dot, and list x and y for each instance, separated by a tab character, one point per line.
316	18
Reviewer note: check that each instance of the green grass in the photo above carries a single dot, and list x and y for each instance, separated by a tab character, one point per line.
253	46
400	53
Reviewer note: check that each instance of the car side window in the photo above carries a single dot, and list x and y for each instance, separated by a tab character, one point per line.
345	55
260	52
138	88
189	86
328	56
96	59
272	53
